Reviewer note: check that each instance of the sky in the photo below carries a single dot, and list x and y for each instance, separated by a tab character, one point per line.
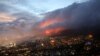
35	7
39	6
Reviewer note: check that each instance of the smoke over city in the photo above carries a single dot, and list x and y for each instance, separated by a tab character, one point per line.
18	25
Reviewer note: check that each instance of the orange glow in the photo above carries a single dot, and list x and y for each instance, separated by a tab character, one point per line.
50	22
53	31
52	42
90	36
47	32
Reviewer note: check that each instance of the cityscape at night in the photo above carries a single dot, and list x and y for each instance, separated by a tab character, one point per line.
54	46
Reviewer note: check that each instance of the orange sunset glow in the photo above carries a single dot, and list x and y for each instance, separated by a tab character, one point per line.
4	17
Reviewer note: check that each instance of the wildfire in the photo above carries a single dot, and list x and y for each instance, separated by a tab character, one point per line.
53	31
45	26
49	22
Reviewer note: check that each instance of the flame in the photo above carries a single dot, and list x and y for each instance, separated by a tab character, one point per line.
49	22
53	31
46	26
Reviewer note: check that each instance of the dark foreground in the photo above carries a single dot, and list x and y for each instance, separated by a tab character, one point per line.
73	46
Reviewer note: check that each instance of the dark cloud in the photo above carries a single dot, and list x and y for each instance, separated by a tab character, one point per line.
5	8
79	15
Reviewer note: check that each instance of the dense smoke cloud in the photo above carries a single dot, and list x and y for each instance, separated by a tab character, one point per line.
78	16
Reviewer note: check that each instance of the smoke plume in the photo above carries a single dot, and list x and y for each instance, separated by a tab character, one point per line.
78	16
